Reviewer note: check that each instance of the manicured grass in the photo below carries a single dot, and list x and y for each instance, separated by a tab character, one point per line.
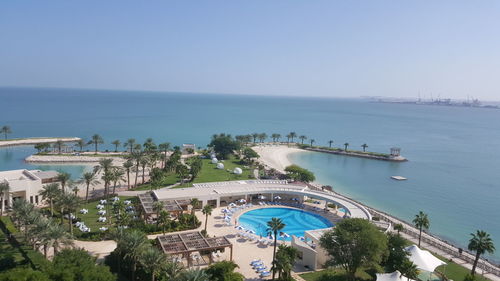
210	173
169	179
21	253
102	155
313	276
90	219
455	271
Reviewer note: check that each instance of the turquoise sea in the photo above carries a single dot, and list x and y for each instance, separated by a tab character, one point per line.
453	172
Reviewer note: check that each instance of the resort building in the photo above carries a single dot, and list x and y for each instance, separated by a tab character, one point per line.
25	184
238	199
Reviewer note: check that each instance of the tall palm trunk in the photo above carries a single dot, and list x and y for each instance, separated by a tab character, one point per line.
473	271
62	215
45	250
128	179
134	265
51	207
136	174
419	237
206	220
143	170
1	203
274	253
87	192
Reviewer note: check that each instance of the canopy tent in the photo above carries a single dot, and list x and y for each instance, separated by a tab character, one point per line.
424	260
395	276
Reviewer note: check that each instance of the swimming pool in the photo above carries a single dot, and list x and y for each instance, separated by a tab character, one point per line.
296	221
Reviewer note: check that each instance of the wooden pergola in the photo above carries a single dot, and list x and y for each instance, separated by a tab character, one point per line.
189	242
175	207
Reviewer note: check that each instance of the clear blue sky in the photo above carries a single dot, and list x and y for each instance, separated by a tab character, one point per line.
307	48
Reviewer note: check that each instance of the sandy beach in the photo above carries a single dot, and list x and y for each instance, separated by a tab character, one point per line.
32	141
276	156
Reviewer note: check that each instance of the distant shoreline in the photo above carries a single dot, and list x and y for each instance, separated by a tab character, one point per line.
33	141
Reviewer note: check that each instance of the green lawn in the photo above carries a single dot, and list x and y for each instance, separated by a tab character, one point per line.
313	276
90	219
169	179
455	271
210	173
8	253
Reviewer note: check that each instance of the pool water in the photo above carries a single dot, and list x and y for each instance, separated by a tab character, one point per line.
296	221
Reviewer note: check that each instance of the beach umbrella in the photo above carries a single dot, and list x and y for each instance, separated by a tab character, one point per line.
295	199
242	200
270	237
225	210
232	205
239	227
262	197
251	231
277	197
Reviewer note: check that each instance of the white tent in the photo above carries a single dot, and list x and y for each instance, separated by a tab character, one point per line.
424	260
237	171
395	276
214	160
220	166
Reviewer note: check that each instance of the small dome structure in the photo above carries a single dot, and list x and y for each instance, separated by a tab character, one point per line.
220	166
214	160
237	171
212	155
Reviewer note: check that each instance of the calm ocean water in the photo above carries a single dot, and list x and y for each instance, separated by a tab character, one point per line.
454	153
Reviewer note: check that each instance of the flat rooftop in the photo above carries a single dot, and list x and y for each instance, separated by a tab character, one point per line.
210	191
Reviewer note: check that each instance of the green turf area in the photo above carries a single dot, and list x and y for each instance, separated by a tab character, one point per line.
20	254
167	180
455	271
90	219
210	173
336	274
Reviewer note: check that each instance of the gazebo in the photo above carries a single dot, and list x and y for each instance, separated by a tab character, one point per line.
186	243
175	207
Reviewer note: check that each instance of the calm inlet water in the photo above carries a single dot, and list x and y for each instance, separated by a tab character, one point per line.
454	154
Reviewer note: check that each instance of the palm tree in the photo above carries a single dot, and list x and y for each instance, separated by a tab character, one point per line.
195	274
69	202
137	157
194	204
130	143
285	259
116	143
274	136
6	130
330	142
274	226
262	137
132	244
346	145
152	260
57	236
64	178
288	137
164	147
207	211
173	270
302	138
127	165
293	135
364	146
421	221
89	178
255	136
312	141
144	162
96	140
50	192
4	189
398	227
164	220
117	174
408	269
81	144
480	242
